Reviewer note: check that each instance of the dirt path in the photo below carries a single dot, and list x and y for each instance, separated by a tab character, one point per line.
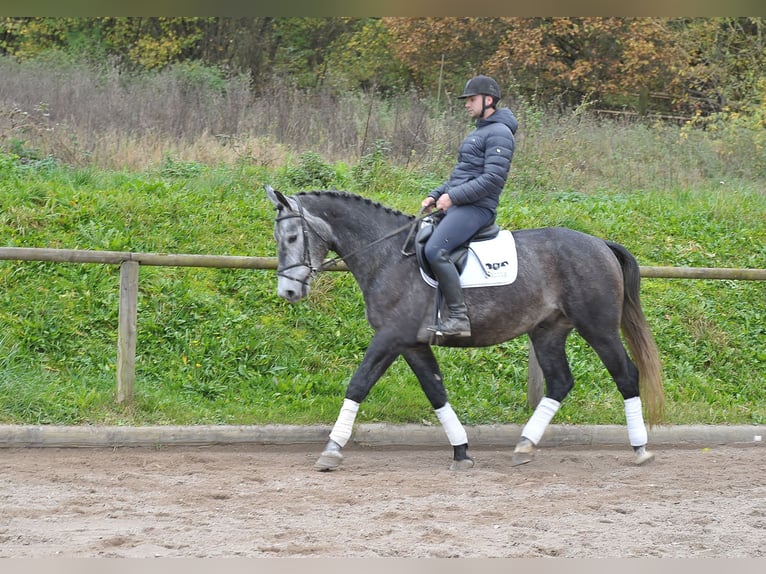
268	501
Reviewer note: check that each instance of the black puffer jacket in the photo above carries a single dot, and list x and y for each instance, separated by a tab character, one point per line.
484	159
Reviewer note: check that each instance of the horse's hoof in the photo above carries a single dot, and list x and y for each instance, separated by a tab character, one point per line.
328	460
643	456
520	458
462	464
523	453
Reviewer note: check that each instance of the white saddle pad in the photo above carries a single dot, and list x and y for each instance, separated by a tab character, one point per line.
489	263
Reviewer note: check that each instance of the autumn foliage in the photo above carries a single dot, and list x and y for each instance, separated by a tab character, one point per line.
618	64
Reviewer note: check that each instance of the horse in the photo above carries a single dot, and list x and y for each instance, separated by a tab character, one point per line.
566	280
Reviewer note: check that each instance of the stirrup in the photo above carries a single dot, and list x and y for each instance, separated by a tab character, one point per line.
444	330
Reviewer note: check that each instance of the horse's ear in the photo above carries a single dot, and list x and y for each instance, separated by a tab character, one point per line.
277	198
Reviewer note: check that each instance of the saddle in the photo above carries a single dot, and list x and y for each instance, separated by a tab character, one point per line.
487	259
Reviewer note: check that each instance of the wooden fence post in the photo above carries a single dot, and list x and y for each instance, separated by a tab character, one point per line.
534	379
126	336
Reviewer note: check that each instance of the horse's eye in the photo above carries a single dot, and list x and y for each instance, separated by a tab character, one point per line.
292	238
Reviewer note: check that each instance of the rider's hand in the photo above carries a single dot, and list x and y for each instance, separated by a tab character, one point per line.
428	203
444	202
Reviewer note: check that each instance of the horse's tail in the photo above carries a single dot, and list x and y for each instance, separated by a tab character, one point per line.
640	341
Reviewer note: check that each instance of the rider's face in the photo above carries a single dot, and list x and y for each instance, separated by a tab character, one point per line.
474	105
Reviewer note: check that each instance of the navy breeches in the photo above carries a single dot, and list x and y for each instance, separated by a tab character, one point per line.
457	227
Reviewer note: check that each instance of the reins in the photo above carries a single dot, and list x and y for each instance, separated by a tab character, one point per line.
328	264
412	225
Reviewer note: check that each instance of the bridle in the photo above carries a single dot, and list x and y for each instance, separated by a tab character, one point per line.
306	262
330	263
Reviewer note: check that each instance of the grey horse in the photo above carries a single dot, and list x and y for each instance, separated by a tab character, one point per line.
566	280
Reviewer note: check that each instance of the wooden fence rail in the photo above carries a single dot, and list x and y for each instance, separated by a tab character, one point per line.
128	312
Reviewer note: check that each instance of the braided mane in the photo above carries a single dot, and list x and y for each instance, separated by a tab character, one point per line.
346	196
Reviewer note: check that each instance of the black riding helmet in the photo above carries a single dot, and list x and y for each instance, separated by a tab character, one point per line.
483	85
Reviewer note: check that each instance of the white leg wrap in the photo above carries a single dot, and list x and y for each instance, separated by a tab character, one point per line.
635	418
543	414
455	431
341	432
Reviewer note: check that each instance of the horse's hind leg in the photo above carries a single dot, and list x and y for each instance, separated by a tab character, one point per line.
423	363
624	372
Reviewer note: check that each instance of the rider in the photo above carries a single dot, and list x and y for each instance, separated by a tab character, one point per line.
470	196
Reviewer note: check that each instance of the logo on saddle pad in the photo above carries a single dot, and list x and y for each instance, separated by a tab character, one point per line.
486	263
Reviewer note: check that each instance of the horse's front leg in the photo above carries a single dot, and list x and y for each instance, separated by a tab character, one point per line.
423	363
382	351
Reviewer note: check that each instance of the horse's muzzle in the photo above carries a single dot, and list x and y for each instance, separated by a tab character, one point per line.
291	290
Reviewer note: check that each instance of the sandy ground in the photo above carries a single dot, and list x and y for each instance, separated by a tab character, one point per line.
260	501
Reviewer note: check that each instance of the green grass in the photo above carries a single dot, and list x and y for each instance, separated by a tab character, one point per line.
219	347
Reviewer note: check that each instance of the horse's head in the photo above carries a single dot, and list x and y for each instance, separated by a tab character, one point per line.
302	245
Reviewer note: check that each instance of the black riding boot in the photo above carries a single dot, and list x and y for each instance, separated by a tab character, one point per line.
456	324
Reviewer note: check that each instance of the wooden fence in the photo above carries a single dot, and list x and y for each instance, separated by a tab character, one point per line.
128	312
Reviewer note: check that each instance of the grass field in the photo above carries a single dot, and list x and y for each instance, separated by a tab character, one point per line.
149	167
218	346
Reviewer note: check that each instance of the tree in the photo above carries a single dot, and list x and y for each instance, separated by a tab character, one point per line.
659	64
725	62
364	57
571	60
28	37
444	51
